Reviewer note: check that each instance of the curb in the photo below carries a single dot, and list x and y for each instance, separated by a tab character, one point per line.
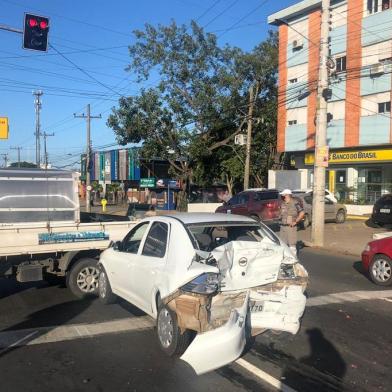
358	217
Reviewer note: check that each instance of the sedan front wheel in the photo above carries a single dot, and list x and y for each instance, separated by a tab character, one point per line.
381	270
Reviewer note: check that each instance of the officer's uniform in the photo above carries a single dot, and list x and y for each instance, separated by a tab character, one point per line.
289	212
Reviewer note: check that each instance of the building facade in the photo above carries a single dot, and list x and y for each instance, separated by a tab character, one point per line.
359	130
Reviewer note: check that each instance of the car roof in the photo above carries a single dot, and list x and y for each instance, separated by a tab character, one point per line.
206	217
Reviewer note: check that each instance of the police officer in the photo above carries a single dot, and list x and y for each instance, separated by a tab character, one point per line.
291	213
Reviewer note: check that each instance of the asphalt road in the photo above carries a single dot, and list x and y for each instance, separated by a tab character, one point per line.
64	344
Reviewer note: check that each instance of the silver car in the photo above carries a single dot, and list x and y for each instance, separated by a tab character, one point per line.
334	212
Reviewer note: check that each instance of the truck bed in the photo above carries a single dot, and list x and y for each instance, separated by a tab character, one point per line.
36	238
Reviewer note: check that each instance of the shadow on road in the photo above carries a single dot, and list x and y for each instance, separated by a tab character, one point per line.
55	315
323	370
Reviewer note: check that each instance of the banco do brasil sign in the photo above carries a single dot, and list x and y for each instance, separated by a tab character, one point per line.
354	156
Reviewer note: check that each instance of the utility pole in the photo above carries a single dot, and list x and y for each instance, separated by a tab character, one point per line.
88	117
5	157
321	131
38	105
46	135
18	149
249	136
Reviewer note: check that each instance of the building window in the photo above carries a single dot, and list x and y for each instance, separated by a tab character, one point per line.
292	122
384	107
294	80
385	5
374	6
341	64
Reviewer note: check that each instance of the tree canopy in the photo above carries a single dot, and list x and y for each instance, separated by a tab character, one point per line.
200	102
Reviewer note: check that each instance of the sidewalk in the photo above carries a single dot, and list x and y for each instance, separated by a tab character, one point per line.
349	238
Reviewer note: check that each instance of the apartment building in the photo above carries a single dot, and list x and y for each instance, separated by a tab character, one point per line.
359	130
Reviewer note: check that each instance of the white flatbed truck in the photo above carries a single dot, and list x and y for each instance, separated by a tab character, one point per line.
42	234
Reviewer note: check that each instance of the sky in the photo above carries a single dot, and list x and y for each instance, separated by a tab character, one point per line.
94	36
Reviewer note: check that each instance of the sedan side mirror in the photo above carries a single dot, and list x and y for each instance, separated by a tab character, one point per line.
117	246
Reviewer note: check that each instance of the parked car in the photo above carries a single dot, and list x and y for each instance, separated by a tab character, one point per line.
377	261
259	204
382	210
335	212
328	194
209	280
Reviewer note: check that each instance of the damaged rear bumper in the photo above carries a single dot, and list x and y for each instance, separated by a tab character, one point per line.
280	310
225	320
216	348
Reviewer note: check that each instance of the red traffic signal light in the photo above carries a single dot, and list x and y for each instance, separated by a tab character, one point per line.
35	32
33	22
43	24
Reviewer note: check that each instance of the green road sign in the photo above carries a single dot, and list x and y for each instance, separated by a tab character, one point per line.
147	182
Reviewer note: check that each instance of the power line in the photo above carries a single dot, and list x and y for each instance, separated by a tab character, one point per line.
83	71
231	5
208	10
243	18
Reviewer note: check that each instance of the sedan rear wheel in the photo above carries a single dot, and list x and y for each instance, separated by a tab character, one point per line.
340	216
381	270
170	339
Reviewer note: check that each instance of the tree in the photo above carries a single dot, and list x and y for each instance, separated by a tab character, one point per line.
23	164
201	100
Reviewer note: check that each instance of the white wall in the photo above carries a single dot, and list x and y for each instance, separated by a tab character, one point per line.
372	54
300	27
369	103
299	71
337	109
339	16
203	207
299	114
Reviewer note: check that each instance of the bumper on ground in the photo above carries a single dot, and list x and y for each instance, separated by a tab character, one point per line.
214	349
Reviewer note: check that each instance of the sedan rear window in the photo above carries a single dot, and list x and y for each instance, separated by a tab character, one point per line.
210	236
269	195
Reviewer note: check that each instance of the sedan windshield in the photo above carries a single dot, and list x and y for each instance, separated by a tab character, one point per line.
209	236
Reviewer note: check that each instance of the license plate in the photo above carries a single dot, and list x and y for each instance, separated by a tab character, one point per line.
256	306
385	210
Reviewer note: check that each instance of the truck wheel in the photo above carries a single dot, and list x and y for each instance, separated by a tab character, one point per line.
170	339
82	280
105	290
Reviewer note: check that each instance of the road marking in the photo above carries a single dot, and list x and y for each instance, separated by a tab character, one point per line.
27	337
18	342
264	376
347	296
42	335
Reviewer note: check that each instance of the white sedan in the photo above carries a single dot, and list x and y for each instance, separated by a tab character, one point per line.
211	281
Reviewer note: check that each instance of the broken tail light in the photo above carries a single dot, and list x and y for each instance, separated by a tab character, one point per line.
207	283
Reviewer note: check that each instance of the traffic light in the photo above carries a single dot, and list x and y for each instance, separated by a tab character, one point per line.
35	32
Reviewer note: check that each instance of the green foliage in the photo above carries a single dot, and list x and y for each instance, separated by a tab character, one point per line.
200	103
23	164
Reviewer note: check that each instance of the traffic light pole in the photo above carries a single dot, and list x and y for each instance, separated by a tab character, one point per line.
11	29
88	117
318	216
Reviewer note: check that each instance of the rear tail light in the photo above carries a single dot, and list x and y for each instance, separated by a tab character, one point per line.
271	204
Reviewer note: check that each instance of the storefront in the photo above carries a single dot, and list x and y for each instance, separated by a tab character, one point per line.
360	175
